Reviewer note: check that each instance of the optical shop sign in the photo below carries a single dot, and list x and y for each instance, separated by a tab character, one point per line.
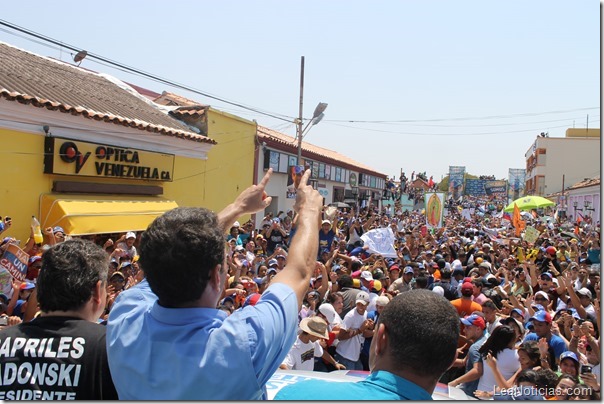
73	157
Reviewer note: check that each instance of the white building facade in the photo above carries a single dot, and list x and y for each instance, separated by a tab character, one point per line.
553	164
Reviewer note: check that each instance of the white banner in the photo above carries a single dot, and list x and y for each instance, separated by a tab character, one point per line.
380	241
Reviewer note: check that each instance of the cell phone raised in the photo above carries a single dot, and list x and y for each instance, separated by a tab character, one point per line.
585	369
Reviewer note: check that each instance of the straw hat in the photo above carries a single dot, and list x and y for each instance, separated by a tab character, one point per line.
314	326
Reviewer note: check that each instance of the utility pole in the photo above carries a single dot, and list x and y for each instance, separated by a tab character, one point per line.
299	123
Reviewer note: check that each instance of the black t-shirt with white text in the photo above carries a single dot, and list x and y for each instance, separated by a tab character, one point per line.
55	358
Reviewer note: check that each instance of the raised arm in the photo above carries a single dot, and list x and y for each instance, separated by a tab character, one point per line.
305	243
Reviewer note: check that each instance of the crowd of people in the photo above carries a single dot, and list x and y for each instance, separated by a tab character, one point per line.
199	297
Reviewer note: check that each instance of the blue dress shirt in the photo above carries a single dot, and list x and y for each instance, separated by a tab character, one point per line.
158	353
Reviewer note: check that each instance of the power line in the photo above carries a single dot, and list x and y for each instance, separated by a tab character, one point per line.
141	72
466	118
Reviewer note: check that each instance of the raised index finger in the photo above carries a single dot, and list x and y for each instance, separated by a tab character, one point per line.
265	179
304	179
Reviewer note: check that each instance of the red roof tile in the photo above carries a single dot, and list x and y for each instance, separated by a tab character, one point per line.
45	83
288	141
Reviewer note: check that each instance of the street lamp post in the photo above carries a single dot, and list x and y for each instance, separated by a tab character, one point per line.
575	203
316	117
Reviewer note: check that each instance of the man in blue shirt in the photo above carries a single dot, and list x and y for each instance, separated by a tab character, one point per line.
542	322
474	332
408	354
166	339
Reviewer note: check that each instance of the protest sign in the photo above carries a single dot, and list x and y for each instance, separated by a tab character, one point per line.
15	260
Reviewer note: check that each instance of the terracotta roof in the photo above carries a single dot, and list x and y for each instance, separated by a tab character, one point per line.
171	99
267	134
588	182
45	83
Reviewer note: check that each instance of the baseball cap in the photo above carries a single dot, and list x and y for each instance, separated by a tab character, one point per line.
367	275
118	273
27	285
382	301
58	229
280	256
542	316
518	311
125	264
328	311
467	286
408	270
548	274
272	262
34	259
569	354
259	236
420	266
542	294
377	285
325	222
324	250
512	320
551	250
474	319
363	298
236	224
271	270
584	292
130	234
394	268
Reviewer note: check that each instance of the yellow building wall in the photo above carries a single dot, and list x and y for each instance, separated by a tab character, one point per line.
23	180
582	132
230	164
211	183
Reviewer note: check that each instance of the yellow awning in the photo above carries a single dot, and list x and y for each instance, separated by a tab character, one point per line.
86	214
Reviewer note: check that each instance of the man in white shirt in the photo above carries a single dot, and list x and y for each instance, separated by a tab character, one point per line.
353	332
302	354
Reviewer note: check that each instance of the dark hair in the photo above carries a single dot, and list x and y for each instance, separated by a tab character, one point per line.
499	340
531	348
345	281
333	297
421	282
409	319
69	274
490	304
527	375
355	265
178	251
546	378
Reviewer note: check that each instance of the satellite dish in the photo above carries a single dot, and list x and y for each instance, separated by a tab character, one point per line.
80	56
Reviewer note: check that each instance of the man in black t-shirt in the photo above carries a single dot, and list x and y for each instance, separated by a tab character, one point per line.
61	355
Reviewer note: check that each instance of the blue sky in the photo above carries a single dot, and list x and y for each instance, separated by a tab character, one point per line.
433	73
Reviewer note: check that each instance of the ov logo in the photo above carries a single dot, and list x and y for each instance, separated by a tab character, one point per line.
69	153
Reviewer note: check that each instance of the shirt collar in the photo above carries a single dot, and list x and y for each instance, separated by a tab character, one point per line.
398	385
202	316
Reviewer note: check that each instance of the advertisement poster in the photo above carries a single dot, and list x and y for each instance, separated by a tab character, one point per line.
294	175
434	209
456	181
14	260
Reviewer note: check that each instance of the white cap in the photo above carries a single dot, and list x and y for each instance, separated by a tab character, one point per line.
236	224
438	290
363	298
382	301
328	311
130	234
367	275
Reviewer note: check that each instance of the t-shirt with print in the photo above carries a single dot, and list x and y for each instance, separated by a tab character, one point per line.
55	358
302	356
